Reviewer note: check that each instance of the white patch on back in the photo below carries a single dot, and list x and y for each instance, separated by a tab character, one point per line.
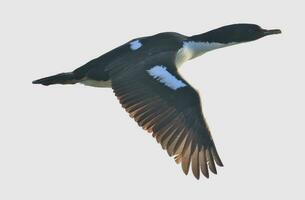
134	45
160	73
192	49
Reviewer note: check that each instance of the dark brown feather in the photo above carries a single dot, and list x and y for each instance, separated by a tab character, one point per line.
186	157
195	163
203	163
210	160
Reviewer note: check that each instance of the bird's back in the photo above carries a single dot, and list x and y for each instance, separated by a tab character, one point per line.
131	52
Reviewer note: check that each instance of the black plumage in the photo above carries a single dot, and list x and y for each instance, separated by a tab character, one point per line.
144	76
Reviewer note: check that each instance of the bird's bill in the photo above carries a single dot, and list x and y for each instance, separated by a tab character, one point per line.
271	31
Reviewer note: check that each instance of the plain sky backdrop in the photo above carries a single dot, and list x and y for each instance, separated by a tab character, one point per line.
76	142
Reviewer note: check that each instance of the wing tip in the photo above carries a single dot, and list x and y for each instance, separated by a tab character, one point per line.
206	159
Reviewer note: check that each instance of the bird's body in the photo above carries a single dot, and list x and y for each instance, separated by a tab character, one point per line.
130	53
144	76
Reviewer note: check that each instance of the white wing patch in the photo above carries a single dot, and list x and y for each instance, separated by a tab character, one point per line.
160	73
134	45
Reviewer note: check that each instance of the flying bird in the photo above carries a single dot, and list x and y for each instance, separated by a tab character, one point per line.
143	74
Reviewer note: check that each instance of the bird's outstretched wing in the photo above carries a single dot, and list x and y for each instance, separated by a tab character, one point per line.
164	104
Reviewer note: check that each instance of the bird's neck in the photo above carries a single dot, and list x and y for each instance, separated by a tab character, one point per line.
208	41
196	46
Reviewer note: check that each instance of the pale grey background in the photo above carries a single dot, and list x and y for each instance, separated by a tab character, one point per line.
76	142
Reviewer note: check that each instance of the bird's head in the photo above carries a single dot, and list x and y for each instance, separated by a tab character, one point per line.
237	33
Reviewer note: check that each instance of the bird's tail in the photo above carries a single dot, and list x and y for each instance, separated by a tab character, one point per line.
63	78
